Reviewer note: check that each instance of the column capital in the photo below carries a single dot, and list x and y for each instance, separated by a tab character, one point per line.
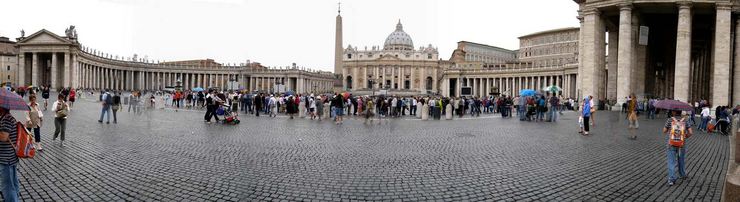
625	6
590	11
684	4
723	6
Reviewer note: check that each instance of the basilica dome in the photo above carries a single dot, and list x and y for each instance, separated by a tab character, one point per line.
398	40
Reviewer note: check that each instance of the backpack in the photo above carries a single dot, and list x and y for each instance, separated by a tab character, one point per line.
678	133
24	147
108	99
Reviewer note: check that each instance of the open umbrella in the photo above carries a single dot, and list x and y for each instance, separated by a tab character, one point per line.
674	105
345	95
527	92
197	89
12	101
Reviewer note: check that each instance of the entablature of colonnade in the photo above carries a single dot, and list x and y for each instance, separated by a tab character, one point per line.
481	75
618	3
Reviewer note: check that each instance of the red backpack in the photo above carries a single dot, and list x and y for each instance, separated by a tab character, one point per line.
677	133
24	147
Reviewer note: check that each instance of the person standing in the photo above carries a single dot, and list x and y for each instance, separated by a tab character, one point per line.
554	105
320	106
338	104
586	110
311	107
116	106
33	121
676	130
9	184
61	109
290	107
258	104
107	101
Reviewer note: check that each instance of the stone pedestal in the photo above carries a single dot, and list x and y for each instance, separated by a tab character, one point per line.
448	112
425	112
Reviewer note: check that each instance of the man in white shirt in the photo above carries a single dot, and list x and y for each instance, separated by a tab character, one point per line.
705	117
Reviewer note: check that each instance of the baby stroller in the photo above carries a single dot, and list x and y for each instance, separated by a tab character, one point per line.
229	117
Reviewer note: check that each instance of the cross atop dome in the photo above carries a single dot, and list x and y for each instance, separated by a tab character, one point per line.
399	26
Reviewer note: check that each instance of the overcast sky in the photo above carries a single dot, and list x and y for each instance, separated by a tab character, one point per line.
280	32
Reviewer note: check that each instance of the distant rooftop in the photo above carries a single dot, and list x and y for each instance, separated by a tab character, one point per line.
489	46
550	31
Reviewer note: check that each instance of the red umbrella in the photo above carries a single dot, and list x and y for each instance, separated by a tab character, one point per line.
674	105
12	101
345	95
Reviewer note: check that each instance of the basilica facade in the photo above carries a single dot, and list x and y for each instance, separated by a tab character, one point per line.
397	66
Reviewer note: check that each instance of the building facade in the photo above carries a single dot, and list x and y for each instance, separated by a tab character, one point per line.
45	58
545	58
8	61
396	67
681	49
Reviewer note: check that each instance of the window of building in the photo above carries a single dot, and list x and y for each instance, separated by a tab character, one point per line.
8	77
8	67
429	56
349	56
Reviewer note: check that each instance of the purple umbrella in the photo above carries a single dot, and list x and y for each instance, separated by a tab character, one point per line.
674	105
12	101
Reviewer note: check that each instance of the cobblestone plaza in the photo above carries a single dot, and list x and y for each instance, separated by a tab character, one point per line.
165	155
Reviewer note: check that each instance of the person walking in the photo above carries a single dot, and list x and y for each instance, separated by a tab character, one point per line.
72	97
704	118
116	105
61	109
45	94
9	184
632	115
676	130
34	118
107	101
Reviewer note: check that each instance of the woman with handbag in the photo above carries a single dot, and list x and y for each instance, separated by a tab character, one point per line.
61	109
33	121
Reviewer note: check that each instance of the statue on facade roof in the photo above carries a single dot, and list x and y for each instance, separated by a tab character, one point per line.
71	32
23	33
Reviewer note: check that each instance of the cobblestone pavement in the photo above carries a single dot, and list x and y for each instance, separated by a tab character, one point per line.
174	156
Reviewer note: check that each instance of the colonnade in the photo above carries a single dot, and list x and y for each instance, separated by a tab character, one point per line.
511	85
121	75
